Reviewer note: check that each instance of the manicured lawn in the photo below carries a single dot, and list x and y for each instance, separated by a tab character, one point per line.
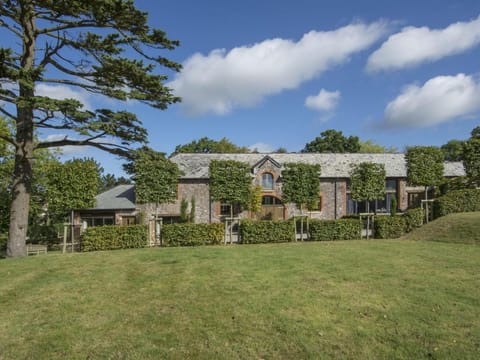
351	300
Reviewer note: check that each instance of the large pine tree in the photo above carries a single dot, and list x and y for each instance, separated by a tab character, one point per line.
105	47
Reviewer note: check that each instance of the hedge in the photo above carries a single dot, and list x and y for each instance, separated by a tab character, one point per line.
457	201
389	227
413	219
342	229
189	234
265	231
114	237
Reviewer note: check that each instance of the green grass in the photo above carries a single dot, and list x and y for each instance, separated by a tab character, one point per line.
352	300
454	228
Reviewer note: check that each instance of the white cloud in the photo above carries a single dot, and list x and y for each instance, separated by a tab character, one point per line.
261	147
243	76
439	100
61	92
324	101
415	45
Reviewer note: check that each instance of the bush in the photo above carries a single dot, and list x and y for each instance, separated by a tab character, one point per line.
413	219
3	242
114	237
342	229
389	227
457	201
255	232
189	234
45	234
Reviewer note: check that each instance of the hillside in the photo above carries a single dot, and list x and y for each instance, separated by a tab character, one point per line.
461	228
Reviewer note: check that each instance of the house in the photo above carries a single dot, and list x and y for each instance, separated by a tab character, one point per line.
117	206
113	207
334	198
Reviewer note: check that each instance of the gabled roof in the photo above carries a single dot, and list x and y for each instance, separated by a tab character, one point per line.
121	197
266	158
196	166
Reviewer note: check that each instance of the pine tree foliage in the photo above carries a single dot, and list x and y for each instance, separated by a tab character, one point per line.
103	47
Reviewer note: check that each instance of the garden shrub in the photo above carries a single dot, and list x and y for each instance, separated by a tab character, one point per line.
3	242
457	201
190	234
114	237
389	227
264	231
413	219
341	229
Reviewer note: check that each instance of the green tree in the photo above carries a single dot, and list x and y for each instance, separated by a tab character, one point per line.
230	182
109	181
333	141
475	134
471	159
370	147
301	185
255	204
453	150
281	150
206	145
103	47
71	185
425	167
155	176
367	182
38	201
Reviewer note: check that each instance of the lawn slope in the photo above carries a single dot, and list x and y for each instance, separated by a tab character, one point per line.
454	228
392	299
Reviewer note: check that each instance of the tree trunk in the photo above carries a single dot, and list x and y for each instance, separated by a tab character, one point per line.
21	191
22	175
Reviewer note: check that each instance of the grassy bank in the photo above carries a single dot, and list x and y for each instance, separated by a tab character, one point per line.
461	228
353	299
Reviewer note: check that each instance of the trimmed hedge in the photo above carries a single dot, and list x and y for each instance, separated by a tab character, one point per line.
457	201
389	227
342	229
413	219
189	234
113	237
265	231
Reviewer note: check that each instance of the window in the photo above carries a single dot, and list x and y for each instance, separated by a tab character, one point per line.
225	209
267	181
271	200
377	206
88	221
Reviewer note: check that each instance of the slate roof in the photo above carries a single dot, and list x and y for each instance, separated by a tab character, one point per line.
195	166
118	198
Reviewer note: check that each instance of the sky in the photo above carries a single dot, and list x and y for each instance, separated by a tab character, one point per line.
268	74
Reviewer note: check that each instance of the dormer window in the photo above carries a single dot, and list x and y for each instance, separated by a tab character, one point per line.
267	181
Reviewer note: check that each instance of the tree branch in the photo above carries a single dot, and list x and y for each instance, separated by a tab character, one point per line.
115	149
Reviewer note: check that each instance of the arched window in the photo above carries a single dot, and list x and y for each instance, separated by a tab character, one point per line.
267	181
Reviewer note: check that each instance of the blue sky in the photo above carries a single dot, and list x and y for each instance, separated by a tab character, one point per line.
271	74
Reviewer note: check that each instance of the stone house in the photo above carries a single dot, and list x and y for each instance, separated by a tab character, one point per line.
118	206
334	199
